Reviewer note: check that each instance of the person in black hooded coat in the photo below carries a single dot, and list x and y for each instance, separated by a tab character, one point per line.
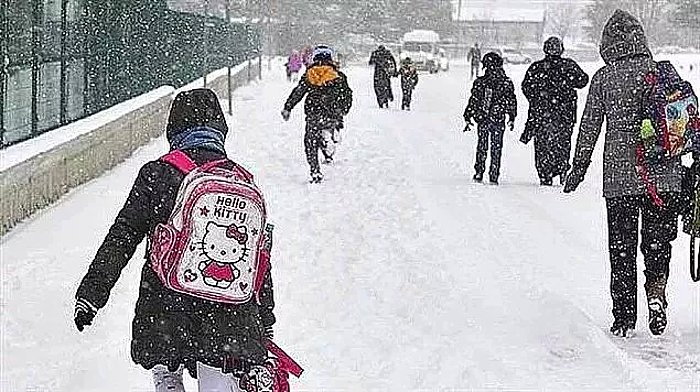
384	69
492	99
169	329
550	87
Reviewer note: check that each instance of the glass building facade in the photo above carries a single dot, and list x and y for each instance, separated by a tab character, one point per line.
66	59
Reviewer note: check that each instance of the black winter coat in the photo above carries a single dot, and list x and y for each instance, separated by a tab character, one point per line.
170	328
492	98
409	77
550	88
328	96
384	66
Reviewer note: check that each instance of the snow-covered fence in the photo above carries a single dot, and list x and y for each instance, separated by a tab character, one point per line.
39	171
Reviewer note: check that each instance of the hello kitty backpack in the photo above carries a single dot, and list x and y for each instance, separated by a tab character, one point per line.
216	244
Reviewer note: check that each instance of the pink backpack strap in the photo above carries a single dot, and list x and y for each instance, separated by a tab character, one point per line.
244	173
286	362
180	160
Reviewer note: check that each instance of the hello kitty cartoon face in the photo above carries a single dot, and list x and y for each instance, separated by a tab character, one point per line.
225	244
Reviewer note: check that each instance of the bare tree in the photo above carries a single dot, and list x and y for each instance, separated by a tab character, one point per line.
562	19
653	14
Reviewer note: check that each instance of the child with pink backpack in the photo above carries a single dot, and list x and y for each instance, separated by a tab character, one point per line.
205	301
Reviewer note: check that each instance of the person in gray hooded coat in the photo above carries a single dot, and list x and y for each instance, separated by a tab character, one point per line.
616	96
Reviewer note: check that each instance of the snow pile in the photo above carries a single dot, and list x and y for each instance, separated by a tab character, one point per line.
18	153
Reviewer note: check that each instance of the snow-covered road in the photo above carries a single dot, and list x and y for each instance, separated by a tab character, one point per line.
396	273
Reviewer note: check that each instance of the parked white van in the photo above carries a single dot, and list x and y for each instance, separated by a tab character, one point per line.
422	47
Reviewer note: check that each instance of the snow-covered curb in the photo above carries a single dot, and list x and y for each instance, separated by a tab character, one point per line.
36	173
21	152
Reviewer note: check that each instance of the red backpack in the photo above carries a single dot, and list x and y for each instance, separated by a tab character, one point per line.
216	244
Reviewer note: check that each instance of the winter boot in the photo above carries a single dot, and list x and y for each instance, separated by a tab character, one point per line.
167	381
316	178
657	316
563	177
478	177
622	330
493	181
656	299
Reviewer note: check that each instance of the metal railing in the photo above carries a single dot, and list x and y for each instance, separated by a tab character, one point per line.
62	60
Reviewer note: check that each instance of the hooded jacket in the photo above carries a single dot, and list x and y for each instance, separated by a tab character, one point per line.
616	97
170	328
384	65
492	98
328	96
550	87
409	76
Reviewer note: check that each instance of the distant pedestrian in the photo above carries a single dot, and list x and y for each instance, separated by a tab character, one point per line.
474	56
550	87
328	100
409	80
491	100
384	69
295	63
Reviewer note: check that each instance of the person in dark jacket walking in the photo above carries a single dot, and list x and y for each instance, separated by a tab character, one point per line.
409	80
384	69
172	330
328	100
474	56
550	87
491	100
615	97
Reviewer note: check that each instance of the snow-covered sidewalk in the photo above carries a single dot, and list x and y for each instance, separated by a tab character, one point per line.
396	273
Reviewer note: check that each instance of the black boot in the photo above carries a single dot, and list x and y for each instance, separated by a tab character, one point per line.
478	177
655	287
622	330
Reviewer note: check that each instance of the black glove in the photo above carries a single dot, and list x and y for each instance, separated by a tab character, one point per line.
468	126
575	177
524	139
84	313
286	114
268	332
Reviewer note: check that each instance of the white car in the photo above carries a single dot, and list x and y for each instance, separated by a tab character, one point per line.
422	54
443	60
513	56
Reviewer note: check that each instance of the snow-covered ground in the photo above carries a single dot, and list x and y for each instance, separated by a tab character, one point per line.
397	273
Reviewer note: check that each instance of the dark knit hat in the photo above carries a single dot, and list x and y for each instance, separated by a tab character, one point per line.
492	60
322	53
553	46
195	108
